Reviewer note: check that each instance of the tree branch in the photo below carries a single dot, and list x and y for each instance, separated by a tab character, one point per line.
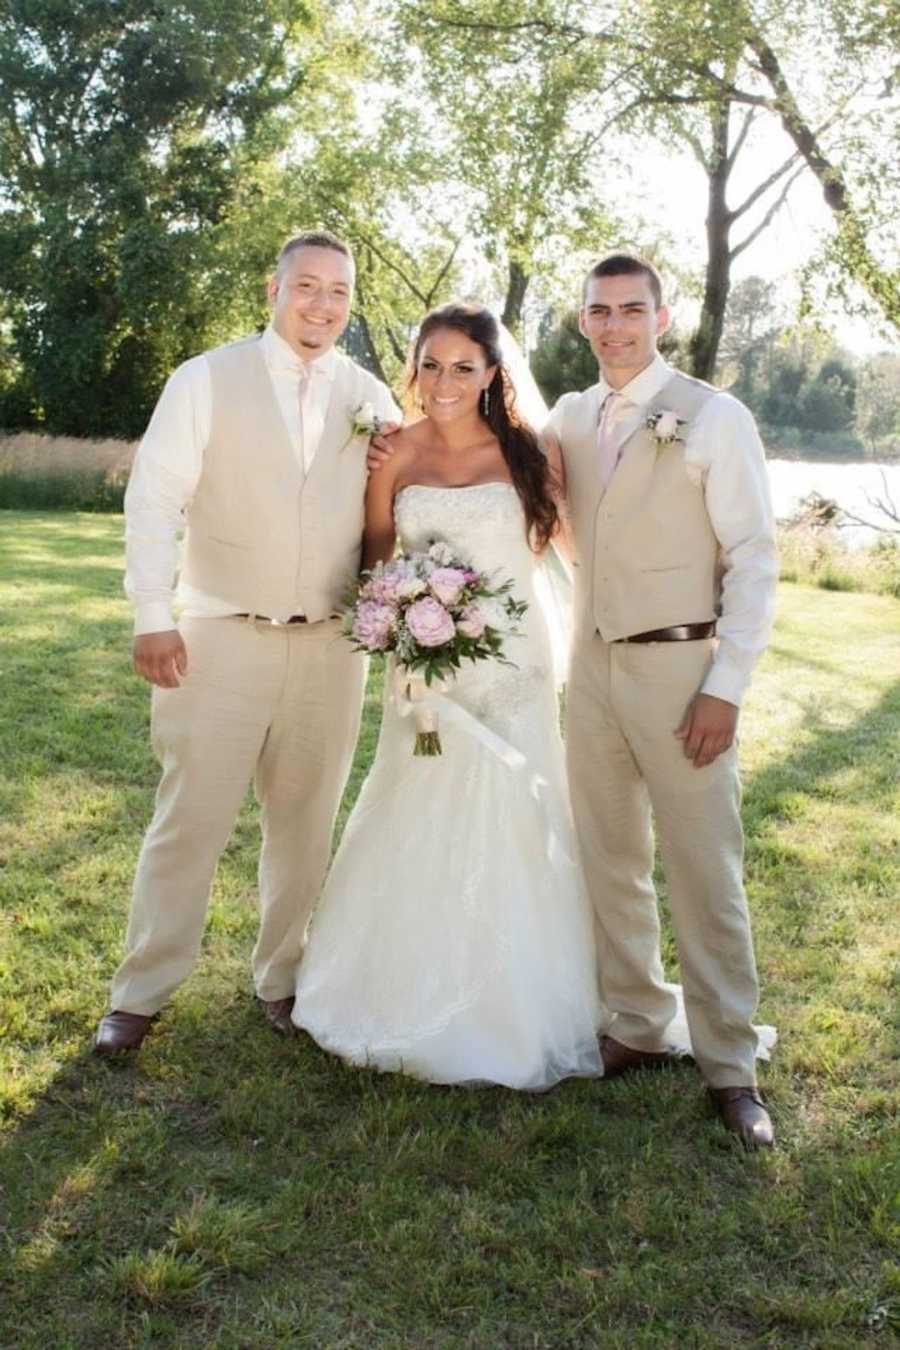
763	187
443	272
769	216
749	118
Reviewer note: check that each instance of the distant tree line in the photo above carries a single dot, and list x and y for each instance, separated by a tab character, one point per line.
809	395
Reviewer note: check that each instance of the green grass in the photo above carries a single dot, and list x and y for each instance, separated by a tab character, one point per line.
235	1191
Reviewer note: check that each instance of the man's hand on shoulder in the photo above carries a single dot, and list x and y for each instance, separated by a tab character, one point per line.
161	658
380	448
707	728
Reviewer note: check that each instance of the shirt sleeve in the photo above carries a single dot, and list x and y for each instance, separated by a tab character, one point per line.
726	452
386	409
163	480
552	428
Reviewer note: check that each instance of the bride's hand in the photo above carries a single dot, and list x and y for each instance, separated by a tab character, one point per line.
380	449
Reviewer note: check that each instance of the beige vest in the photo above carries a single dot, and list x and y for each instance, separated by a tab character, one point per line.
648	557
260	535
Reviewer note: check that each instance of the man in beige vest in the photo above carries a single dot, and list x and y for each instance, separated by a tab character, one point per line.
675	582
252	448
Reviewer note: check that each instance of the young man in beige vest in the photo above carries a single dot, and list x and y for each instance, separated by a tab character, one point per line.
252	448
675	582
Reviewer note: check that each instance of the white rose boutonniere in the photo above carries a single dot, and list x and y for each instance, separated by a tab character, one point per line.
666	426
365	421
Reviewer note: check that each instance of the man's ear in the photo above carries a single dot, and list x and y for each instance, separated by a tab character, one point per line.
663	319
272	288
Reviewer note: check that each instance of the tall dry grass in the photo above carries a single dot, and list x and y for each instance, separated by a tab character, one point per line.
820	557
26	452
63	472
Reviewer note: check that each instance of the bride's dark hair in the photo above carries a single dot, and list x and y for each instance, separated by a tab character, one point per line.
528	466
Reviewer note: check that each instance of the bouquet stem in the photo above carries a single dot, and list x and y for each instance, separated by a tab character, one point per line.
427	743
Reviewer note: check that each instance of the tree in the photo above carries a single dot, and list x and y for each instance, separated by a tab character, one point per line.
127	136
829	399
720	55
510	97
878	404
562	361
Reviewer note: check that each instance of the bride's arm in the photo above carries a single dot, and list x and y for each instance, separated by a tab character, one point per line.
380	535
563	539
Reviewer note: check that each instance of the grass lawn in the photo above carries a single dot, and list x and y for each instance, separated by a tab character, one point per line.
231	1190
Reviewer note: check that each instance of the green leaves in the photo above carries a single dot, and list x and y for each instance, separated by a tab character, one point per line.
126	137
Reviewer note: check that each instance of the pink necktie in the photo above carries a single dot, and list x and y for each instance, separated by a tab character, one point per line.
606	438
302	396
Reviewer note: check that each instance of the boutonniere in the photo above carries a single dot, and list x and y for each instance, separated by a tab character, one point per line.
666	426
365	421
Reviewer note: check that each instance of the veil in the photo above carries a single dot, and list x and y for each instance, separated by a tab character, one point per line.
553	584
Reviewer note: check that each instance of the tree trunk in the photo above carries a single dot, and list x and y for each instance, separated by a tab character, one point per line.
704	344
515	298
882	285
362	346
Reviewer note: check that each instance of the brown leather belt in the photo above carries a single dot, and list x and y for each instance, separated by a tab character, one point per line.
278	623
682	632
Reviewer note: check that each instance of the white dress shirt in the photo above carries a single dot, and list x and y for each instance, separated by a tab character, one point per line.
724	455
169	461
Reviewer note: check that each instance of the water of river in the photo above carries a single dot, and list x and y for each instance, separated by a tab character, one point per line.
847	484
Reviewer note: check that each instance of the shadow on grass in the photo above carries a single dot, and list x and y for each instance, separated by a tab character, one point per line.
216	1105
870	746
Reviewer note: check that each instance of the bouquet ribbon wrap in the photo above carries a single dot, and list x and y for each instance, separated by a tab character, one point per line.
413	697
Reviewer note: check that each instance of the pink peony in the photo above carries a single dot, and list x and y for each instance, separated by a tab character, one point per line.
471	623
429	623
384	587
446	583
373	625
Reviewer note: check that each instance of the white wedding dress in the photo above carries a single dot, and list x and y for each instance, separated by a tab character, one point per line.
454	940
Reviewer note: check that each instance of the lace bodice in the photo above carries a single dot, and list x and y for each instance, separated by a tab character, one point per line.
483	524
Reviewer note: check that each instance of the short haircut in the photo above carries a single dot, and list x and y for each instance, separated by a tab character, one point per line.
627	265
312	239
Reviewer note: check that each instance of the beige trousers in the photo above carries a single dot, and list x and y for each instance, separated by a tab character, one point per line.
627	772
279	706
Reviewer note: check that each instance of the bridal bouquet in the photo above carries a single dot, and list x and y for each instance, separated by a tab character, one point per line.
433	611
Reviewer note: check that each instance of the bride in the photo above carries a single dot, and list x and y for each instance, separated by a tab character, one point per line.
454	940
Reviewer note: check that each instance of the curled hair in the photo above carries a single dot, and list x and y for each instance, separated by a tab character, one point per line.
527	464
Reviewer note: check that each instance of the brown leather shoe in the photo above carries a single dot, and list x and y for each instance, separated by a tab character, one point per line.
618	1058
743	1112
120	1032
278	1014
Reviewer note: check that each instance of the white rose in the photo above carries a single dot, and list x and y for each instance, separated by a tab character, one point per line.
666	427
441	553
408	590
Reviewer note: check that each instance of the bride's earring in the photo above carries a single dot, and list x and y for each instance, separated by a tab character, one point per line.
486	401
